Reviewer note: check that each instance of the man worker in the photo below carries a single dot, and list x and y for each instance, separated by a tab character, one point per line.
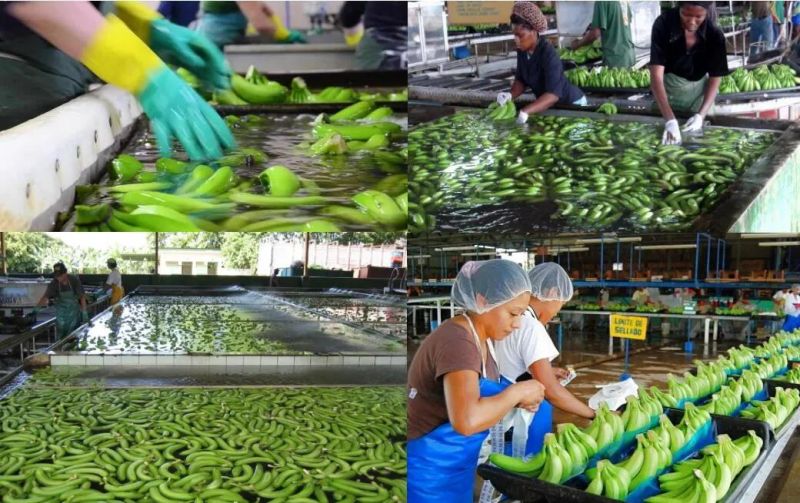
611	23
69	299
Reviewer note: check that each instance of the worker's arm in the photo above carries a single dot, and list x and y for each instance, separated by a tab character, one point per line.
268	23
591	35
84	305
660	92
555	393
712	88
517	88
470	414
542	103
107	47
43	301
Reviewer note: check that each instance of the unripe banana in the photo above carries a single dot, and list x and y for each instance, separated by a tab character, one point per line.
707	493
652	459
724	476
596	485
531	468
553	469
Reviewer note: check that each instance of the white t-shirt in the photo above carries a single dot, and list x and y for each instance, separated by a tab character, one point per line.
790	299
114	278
779	296
528	344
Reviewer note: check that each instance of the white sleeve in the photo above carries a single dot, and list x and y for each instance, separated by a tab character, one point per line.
114	278
537	343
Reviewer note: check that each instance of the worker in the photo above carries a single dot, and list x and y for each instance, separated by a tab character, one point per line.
70	300
454	390
528	351
791	306
640	297
604	297
226	22
779	298
36	76
611	23
378	31
114	282
778	14
761	31
687	62
538	65
182	13
796	25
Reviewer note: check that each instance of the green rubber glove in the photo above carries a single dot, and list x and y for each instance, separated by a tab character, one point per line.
175	110
189	49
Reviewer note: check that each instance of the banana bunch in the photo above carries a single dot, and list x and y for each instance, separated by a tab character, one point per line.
606	427
775	410
793	376
742	356
694	418
607	108
637	415
557	465
771	366
650	404
669	434
751	384
787	339
649	457
581	54
502	113
726	364
610	481
666	399
725	401
792	353
609	77
578	444
696	489
714	372
530	468
762	78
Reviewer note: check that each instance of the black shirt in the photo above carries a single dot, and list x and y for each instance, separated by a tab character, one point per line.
543	72
375	14
668	48
54	288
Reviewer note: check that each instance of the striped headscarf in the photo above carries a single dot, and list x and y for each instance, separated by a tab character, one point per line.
531	14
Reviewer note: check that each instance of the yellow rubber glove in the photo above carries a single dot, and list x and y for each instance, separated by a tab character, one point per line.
282	34
352	36
138	17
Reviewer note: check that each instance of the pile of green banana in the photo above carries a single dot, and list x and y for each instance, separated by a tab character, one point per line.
730	20
731	311
582	54
626	78
774	346
607	108
709	478
777	409
256	89
741	356
183	196
502	113
640	412
691	388
618	306
596	173
235	445
648	309
763	78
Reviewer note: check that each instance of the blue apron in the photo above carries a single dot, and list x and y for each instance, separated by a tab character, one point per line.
792	322
442	463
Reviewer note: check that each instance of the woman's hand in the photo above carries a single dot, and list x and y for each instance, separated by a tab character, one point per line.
561	373
531	394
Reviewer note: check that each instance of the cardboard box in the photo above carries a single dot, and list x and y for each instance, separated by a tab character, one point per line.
479	12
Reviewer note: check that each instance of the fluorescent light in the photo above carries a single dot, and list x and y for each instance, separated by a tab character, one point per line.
477	253
419	256
665	247
463	248
780	243
769	236
610	239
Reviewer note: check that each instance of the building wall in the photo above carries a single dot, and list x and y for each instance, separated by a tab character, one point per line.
194	263
327	256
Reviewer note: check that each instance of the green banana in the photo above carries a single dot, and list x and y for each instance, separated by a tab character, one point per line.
530	468
259	94
553	470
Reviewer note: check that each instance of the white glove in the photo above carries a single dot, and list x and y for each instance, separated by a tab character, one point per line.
502	98
694	124
522	118
672	133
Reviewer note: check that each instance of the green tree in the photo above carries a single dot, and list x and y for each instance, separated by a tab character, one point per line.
33	251
240	249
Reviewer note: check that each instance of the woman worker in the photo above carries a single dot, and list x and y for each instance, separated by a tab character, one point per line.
114	282
226	22
529	350
538	65
454	391
687	63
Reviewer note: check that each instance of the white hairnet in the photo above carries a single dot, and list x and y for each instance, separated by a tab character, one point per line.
483	285
549	281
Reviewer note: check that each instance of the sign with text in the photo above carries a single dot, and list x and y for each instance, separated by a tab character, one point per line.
628	327
479	12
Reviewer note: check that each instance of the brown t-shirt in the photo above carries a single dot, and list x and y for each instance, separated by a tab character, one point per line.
449	348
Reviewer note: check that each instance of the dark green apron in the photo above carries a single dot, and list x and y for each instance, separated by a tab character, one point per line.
685	95
68	312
